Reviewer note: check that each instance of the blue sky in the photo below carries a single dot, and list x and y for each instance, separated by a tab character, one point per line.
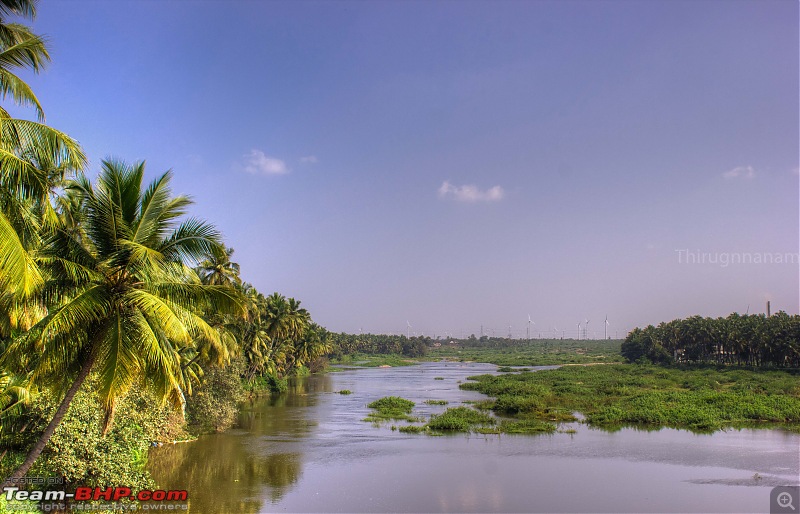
458	164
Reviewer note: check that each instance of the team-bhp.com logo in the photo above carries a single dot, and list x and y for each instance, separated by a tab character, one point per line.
95	494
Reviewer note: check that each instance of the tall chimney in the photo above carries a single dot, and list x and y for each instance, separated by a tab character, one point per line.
768	308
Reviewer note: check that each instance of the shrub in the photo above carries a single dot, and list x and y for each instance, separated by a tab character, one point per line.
390	407
214	405
79	453
460	419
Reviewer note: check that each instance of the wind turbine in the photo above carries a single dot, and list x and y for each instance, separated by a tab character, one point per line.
605	335
579	331
587	329
408	330
529	327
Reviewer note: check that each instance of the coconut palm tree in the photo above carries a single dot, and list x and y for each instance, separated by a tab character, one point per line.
20	48
218	269
123	299
31	153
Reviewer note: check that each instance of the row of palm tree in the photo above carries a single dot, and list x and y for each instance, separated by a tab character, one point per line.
349	344
109	278
745	340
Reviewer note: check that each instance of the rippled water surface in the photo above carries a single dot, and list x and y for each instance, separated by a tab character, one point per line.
309	451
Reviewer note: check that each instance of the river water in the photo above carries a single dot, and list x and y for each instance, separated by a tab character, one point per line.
309	451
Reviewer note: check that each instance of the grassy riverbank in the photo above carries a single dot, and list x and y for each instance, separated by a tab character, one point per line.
610	397
534	353
364	360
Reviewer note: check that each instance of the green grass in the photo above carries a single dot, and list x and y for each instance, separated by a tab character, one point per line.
460	419
345	391
438	378
363	360
390	407
527	426
436	402
700	399
537	352
413	429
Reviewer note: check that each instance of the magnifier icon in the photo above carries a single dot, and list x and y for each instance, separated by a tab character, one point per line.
785	500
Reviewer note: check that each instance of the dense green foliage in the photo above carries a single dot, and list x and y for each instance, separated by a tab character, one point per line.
701	399
376	344
214	405
79	453
109	292
751	340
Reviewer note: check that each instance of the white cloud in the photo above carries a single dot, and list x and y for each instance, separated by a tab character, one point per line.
740	172
470	193
258	163
309	159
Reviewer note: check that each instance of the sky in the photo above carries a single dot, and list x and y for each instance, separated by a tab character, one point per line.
452	165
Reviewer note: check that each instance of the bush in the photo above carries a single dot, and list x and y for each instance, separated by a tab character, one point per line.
79	453
214	405
318	365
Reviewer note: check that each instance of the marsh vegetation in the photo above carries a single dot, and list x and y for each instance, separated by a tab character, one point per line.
702	399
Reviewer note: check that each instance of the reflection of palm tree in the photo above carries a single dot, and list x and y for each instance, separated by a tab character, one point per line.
127	304
245	473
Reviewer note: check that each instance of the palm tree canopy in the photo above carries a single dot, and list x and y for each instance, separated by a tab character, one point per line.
218	269
20	48
123	296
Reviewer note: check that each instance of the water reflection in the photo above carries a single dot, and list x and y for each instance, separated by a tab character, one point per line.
309	451
236	472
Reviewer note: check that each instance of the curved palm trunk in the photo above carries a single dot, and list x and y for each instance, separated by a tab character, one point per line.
48	432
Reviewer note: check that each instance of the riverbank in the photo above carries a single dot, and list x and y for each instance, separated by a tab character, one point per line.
651	397
365	360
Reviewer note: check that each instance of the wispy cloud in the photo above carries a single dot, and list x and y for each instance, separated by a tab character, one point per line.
309	159
258	163
470	193
740	172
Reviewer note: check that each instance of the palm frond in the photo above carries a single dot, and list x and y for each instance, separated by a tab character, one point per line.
18	272
160	313
117	364
28	148
191	241
25	8
20	91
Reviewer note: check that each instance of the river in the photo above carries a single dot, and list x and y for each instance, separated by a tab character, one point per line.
309	451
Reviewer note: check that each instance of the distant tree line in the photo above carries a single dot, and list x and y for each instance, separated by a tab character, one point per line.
498	342
347	344
744	340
